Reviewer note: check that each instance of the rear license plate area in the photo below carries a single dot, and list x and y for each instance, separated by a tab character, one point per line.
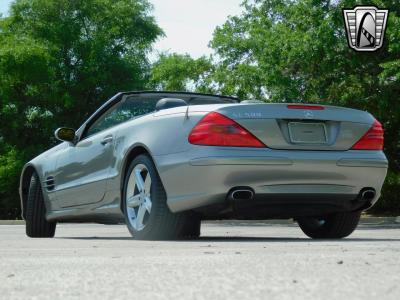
307	132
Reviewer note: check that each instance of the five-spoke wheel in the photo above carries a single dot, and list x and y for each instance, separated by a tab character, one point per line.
138	197
145	205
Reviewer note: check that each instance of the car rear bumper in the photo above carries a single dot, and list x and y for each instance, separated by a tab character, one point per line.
205	175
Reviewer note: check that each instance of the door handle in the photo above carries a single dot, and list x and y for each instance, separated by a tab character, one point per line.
107	140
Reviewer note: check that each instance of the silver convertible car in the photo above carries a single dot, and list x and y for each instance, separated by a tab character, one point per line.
162	162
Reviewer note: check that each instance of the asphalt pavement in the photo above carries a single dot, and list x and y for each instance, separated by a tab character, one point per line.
232	260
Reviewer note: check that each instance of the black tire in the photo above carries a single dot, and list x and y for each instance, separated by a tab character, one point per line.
36	224
161	223
192	226
333	226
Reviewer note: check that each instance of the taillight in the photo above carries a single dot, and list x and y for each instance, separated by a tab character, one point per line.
372	140
309	107
217	130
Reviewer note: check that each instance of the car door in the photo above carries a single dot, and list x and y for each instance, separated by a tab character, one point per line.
82	169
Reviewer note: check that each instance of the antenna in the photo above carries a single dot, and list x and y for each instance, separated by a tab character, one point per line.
187	112
187	107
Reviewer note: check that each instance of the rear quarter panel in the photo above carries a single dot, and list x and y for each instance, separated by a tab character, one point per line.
160	133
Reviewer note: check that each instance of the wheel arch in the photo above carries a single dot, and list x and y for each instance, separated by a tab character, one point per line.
25	179
133	152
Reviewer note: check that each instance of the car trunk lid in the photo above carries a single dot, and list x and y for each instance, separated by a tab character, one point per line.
301	127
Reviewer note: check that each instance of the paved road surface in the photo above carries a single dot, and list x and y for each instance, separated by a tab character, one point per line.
230	261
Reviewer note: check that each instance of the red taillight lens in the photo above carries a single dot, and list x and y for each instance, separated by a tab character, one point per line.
217	130
372	140
309	107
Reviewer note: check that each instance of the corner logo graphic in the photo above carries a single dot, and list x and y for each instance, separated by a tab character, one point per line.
365	26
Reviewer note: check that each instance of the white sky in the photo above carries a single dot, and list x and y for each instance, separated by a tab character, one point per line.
188	24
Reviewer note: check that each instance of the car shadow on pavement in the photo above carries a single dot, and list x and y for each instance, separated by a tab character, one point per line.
204	239
287	239
104	238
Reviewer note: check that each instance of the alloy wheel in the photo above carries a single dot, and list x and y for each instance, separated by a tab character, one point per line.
138	197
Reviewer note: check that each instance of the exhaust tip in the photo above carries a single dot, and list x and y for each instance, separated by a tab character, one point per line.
368	194
242	194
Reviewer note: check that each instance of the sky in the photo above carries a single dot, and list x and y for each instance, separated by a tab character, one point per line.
188	24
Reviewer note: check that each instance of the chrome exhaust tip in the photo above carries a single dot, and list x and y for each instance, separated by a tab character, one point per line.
242	194
368	194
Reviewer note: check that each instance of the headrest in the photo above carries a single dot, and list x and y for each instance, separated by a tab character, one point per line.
165	103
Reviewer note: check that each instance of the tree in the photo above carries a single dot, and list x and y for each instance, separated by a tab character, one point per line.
285	50
176	72
10	166
60	59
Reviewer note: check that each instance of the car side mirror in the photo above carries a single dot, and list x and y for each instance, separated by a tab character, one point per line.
65	134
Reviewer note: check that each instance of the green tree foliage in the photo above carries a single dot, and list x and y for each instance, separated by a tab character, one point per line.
10	166
59	60
176	72
296	51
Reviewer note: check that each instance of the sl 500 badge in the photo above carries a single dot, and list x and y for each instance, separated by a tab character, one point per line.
365	26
